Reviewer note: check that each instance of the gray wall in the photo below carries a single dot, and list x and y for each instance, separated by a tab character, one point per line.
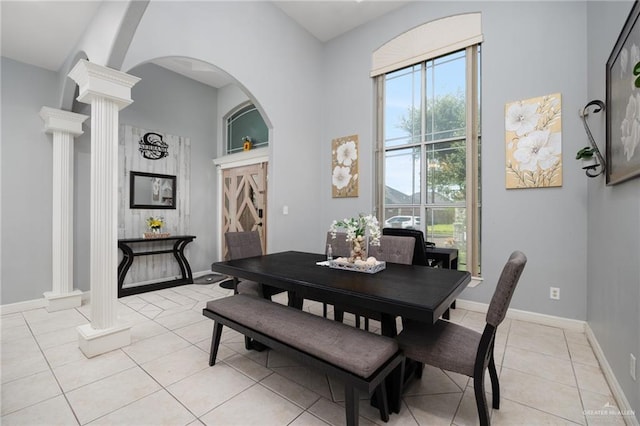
171	103
161	102
548	224
613	267
168	103
279	64
26	168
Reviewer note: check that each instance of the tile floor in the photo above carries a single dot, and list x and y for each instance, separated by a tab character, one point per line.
547	375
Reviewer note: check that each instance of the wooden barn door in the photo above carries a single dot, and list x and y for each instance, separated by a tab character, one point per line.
244	201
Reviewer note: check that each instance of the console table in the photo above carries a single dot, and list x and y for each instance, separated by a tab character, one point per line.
179	243
449	259
448	256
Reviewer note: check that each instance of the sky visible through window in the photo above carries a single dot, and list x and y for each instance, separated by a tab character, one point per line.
444	76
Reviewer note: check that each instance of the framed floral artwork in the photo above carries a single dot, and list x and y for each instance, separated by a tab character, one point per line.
344	167
533	137
623	103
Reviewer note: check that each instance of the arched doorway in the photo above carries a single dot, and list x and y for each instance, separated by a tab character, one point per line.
188	98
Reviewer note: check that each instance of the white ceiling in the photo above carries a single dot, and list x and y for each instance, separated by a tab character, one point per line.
329	19
43	33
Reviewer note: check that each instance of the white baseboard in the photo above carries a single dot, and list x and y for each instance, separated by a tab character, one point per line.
28	305
571	325
161	280
622	401
543	319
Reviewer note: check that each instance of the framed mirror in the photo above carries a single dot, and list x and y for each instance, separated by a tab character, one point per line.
152	191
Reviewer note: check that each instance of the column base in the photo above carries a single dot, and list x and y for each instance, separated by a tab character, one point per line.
62	301
94	342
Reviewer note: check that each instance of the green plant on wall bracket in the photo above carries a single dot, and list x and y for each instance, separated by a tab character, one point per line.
585	153
636	72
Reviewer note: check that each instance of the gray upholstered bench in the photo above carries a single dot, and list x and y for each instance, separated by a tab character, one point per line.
362	360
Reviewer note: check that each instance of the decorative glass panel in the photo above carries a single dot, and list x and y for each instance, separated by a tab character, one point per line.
246	122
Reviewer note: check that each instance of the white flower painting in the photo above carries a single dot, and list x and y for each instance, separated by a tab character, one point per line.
344	164
623	107
533	133
630	127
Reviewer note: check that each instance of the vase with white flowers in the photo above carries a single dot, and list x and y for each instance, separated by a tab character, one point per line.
360	232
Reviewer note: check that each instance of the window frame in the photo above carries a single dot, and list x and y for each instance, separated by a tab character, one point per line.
471	137
237	112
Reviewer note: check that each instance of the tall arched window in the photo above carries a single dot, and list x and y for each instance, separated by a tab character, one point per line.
428	133
246	122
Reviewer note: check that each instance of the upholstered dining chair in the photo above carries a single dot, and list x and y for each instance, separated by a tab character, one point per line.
247	244
419	250
241	245
452	347
392	249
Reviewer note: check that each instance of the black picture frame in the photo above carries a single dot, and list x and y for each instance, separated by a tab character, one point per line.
623	98
152	191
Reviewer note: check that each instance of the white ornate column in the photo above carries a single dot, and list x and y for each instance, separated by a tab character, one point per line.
108	91
64	126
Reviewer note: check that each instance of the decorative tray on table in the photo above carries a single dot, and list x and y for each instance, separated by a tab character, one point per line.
368	268
152	235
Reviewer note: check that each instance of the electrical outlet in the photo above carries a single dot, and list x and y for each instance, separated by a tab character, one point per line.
632	366
554	293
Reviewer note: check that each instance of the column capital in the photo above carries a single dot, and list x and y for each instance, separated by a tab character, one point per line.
63	121
99	81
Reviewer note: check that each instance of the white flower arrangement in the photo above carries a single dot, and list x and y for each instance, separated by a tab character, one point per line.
356	227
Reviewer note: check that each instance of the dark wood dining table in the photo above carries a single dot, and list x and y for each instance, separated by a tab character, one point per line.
409	291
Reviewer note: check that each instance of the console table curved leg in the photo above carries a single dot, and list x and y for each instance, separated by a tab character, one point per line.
125	264
178	253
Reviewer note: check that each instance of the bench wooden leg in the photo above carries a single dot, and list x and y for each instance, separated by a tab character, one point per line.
351	404
295	301
253	345
247	343
215	342
382	401
396	379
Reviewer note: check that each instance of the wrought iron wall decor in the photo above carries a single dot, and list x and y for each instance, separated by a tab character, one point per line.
592	171
152	147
